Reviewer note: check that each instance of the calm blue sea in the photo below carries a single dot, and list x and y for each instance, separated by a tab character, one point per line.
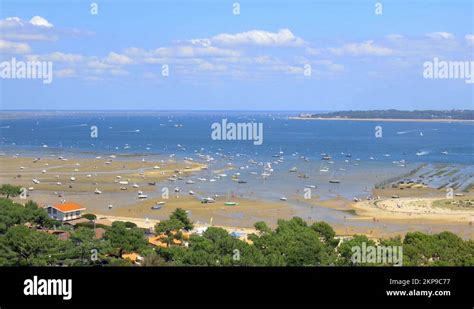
156	133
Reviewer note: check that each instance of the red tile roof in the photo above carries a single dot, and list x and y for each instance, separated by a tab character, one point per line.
67	207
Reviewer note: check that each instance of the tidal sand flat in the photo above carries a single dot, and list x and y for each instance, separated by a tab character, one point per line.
317	170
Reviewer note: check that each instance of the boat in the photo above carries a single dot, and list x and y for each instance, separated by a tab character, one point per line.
97	191
326	158
160	203
152	183
444	152
189	182
283	198
142	196
156	207
72	178
135	185
191	192
311	186
231	203
241	181
293	169
110	206
334	181
324	169
207	200
36	181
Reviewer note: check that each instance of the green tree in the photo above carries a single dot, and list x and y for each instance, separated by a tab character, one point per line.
24	246
181	215
123	239
89	216
326	232
10	190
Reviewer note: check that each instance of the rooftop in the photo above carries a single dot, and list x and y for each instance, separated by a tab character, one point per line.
67	207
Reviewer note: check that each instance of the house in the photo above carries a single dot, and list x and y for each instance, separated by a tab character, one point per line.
135	258
65	211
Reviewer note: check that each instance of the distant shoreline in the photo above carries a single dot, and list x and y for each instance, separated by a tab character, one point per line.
383	119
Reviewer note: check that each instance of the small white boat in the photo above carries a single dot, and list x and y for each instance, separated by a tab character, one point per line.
293	169
324	170
123	182
283	198
36	181
189	182
110	206
311	186
135	185
72	178
142	196
191	192
97	191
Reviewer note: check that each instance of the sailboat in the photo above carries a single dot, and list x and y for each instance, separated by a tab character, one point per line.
230	203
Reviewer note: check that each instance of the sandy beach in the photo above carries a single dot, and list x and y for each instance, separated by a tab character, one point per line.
120	179
413	209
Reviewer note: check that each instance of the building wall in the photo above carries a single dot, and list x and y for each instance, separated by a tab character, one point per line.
61	216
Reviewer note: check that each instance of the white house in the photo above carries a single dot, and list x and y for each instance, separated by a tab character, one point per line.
65	212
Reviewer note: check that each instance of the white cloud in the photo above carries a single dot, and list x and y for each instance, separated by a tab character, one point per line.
192	51
37	29
207	66
395	37
40	22
361	49
118	58
65	73
313	51
14	47
99	65
10	22
440	35
290	69
469	38
27	36
284	37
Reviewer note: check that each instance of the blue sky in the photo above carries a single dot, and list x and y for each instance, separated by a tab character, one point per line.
252	61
